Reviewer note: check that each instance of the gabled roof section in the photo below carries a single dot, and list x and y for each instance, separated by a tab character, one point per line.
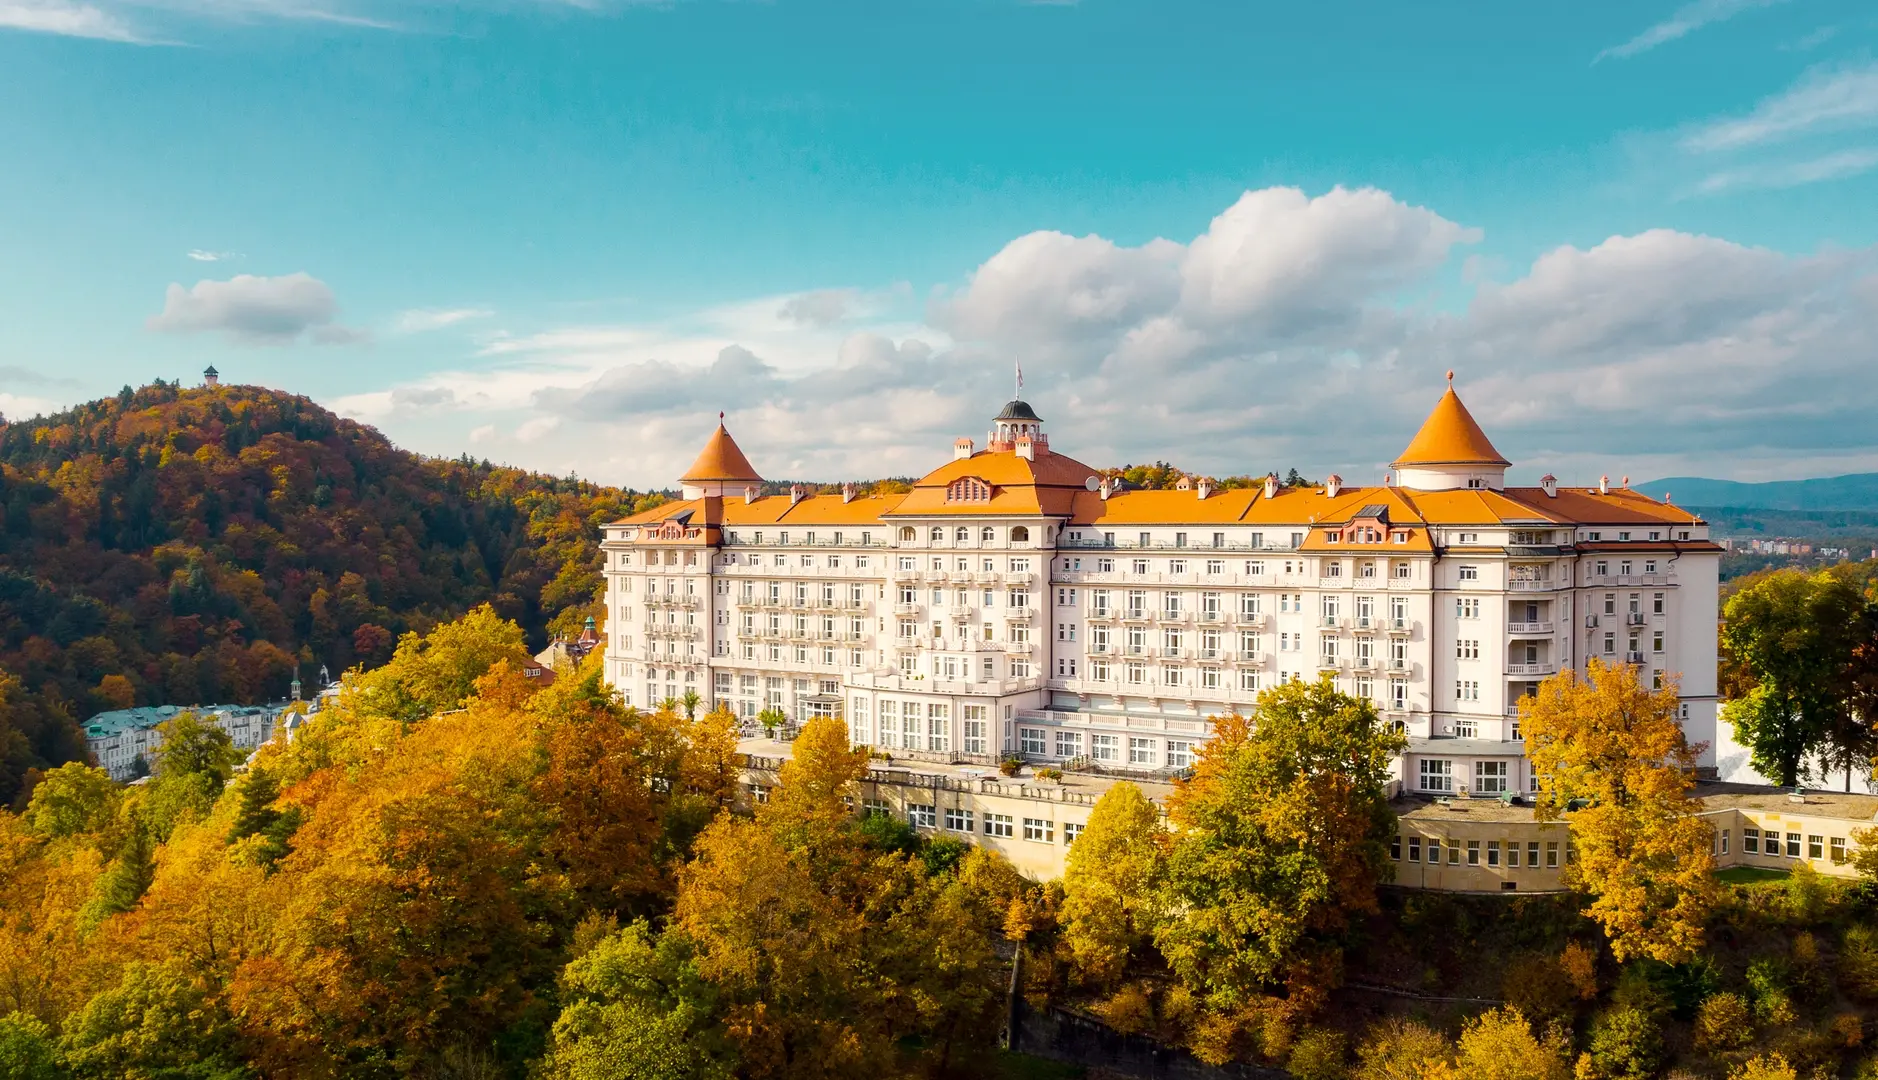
1046	485
1450	436
721	461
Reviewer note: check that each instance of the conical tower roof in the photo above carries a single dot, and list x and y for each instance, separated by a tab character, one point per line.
1450	436
721	460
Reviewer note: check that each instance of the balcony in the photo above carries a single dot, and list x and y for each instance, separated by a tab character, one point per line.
1018	648
905	577
1530	586
966	612
1400	627
1634	618
1135	615
1366	664
1529	629
1103	615
1166	616
1250	620
906	609
1367	622
1019	577
1329	663
1399	665
1633	658
1021	614
1540	667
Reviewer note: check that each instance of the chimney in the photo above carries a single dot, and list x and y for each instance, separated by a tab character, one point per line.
797	493
1107	488
1549	484
961	449
1204	487
1604	485
749	493
1025	448
1271	485
1387	479
1626	483
1333	484
847	493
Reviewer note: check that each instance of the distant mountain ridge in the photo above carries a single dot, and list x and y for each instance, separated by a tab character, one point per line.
1854	491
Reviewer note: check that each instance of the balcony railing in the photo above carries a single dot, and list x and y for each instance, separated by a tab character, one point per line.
1529	628
1542	667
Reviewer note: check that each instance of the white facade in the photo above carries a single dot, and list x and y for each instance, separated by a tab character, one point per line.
118	740
1062	622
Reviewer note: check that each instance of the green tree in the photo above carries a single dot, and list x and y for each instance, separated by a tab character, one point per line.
1795	635
72	799
437	671
127	878
1641	852
1280	839
27	1049
194	764
636	1009
1112	882
154	1023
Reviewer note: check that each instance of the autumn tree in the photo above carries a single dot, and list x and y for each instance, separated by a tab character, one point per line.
1280	839
73	798
156	1022
1111	881
1795	635
1400	1049
1500	1045
1616	748
637	1009
435	672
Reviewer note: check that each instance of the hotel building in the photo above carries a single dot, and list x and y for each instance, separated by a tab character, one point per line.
1015	603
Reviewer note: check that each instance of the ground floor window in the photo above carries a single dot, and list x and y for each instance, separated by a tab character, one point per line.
1489	777
1437	774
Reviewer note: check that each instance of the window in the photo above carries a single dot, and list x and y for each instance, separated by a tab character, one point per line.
1179	755
1031	741
1415	849
1489	777
1793	845
1467	608
1040	830
974	728
1071	831
1140	751
1815	847
1493	853
1395	847
922	815
1838	849
1751	841
1467	649
1473	853
1020	534
1105	747
1466	690
998	825
1470	573
1068	744
1551	854
959	820
1437	774
1434	851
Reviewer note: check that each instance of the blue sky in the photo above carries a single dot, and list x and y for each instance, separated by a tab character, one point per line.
1238	236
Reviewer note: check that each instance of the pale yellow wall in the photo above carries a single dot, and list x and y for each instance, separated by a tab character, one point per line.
1735	822
1480	844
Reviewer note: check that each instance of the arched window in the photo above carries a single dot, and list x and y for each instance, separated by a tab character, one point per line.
1020	535
962	534
907	534
938	533
987	534
968	489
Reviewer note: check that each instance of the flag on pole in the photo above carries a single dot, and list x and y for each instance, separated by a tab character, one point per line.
1020	378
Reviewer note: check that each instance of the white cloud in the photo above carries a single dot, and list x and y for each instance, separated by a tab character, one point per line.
419	320
199	255
1824	99
821	307
1293	331
256	310
1836	166
1684	20
66	18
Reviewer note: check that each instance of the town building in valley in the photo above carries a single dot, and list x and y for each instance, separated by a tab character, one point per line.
124	742
1014	603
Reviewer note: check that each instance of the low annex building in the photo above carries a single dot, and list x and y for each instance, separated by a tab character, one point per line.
1016	603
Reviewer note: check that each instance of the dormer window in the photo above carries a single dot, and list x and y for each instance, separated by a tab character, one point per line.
968	489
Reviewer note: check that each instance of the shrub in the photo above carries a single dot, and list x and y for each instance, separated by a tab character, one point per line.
1767	983
1724	1022
1807	973
1626	1044
1128	1010
1579	963
1858	963
1764	1067
1010	766
1536	985
1402	1050
1319	1054
1849	1029
1807	894
1047	773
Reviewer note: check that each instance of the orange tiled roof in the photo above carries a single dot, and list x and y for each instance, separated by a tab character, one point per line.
1046	485
721	460
1450	437
1621	506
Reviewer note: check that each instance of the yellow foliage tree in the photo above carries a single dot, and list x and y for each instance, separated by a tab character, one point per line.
1614	747
1403	1050
1111	884
1500	1045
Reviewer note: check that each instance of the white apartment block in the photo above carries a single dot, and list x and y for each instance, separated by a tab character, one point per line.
1014	604
125	742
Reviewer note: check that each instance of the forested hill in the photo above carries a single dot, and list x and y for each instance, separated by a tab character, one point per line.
182	546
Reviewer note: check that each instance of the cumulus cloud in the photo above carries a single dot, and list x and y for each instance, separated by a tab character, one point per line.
1683	21
1293	331
819	308
256	310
